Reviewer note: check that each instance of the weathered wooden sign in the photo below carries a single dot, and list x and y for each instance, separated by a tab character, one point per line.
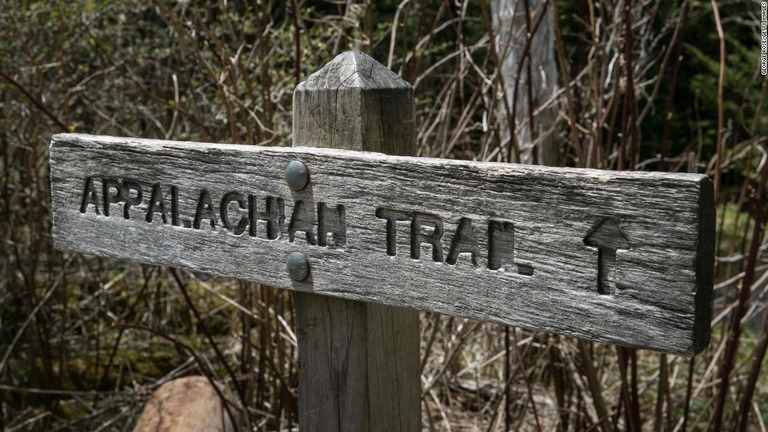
612	256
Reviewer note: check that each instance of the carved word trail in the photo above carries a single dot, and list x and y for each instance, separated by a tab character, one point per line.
427	228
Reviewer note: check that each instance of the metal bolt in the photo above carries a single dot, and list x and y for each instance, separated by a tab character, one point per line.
298	266
297	175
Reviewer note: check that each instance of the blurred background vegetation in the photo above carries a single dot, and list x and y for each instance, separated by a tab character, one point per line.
645	85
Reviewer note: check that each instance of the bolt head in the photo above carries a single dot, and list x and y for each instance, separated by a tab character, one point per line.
297	175
298	266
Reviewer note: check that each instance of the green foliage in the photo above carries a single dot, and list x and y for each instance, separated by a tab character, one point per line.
741	87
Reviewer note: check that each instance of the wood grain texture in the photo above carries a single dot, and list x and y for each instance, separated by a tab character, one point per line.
663	280
664	277
359	360
357	371
355	103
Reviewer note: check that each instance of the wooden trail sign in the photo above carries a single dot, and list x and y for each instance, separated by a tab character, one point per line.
616	257
611	256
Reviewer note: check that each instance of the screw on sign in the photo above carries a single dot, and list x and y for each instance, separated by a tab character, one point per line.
367	239
298	266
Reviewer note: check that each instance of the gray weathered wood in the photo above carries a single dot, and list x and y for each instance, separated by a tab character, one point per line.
360	365
509	24
663	281
359	360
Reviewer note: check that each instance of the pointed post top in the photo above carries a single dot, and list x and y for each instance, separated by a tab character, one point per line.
356	103
353	69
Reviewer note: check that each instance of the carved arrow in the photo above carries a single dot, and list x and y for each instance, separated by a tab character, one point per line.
607	237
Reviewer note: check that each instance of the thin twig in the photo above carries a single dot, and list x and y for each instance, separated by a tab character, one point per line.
526	53
204	328
296	43
207	372
677	42
35	102
720	115
734	334
760	218
529	83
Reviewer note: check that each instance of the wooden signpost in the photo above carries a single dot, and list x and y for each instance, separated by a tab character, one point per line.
619	257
